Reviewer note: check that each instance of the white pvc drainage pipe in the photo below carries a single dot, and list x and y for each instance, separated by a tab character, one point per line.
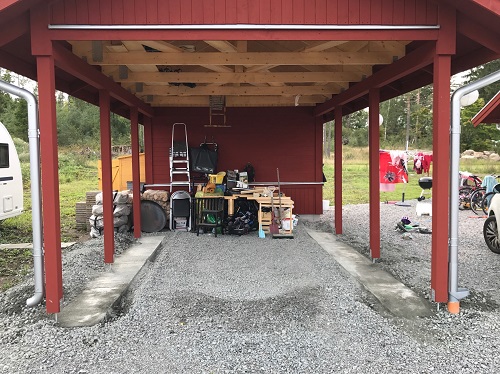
454	292
36	206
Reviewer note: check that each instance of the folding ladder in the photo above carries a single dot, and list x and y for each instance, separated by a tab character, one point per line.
179	158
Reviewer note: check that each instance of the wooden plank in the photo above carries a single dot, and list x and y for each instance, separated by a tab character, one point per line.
231	14
287	14
222	78
409	12
265	11
387	11
252	58
376	12
70	11
186	12
238	90
276	12
220	12
242	11
321	12
298	11
139	14
365	12
106	11
331	12
310	13
129	11
253	11
354	10
208	11
174	12
117	12
151	12
236	101
82	12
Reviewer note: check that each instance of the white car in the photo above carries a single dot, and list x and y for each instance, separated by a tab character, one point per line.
491	225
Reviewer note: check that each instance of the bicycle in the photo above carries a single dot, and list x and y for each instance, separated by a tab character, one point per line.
470	194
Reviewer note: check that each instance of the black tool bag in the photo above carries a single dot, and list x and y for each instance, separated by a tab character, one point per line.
203	159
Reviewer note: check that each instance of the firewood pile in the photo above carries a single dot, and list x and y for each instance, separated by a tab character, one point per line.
160	197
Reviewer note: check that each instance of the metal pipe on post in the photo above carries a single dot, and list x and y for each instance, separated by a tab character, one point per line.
36	201
455	294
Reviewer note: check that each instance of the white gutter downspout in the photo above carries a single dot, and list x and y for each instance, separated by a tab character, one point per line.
36	207
454	292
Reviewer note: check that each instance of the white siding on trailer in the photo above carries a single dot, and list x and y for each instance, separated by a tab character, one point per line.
11	183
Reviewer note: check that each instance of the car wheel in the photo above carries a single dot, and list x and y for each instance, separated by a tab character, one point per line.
490	233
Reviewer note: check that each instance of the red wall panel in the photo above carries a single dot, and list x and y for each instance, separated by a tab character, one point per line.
269	138
342	12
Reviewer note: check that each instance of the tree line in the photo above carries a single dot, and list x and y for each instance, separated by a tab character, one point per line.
408	119
77	121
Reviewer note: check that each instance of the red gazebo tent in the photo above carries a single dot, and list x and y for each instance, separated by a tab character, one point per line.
159	62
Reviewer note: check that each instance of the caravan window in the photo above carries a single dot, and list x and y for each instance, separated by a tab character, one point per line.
4	155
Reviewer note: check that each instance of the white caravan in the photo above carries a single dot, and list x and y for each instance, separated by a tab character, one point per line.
11	182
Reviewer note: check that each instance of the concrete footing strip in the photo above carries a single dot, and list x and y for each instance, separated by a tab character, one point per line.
392	294
95	302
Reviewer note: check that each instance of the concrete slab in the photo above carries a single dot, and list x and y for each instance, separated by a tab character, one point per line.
96	301
392	294
29	245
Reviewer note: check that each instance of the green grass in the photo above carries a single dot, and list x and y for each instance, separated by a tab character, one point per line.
77	175
355	177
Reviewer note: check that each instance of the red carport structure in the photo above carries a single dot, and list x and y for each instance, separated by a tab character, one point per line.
490	113
281	68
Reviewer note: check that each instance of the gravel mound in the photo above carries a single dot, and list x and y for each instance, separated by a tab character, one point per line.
247	305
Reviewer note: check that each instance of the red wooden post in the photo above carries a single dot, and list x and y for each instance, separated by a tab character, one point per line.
338	169
441	118
440	177
374	145
107	183
136	170
148	149
50	182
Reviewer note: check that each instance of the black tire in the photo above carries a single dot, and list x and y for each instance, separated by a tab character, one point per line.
464	197
476	200
490	233
485	205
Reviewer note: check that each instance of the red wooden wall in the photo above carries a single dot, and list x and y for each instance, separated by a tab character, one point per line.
342	12
269	138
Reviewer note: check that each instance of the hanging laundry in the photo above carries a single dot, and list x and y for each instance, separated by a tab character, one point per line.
392	167
426	164
418	162
489	182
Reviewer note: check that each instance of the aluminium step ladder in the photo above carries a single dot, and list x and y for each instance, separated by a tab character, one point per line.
180	174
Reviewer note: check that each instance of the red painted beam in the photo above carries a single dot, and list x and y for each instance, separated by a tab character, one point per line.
10	62
136	170
68	62
232	34
479	34
107	179
338	169
490	113
374	164
148	149
14	29
413	61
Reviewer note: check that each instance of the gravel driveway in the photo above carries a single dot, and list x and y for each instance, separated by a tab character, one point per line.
247	305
